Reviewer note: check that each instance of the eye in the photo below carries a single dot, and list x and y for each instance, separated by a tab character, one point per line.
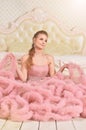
41	38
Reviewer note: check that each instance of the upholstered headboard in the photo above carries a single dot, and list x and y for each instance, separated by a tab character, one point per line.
17	35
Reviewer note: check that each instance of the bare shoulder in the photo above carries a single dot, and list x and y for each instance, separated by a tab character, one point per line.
50	58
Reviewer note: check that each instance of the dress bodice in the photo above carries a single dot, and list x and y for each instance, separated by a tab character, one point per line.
38	71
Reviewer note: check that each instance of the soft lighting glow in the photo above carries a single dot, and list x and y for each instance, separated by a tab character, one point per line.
78	4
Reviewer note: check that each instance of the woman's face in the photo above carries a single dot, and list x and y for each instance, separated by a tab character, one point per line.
40	41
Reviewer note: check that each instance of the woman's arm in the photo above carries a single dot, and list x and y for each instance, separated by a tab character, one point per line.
22	72
51	65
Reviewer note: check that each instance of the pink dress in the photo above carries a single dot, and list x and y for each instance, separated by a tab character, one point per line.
42	97
38	72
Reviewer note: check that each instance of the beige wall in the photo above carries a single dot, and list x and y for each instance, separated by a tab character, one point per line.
70	14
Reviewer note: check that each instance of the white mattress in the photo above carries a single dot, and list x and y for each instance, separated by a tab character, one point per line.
81	60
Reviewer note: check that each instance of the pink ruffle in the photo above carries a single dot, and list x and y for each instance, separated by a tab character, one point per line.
52	98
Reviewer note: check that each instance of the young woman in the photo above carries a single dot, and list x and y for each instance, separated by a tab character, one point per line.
37	64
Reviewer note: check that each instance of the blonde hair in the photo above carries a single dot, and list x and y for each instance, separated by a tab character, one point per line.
31	53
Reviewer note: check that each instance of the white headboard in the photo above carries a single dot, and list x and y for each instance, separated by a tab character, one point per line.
17	35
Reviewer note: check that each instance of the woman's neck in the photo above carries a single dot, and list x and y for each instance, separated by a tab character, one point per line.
39	52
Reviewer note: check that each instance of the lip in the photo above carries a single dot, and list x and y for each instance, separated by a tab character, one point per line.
42	44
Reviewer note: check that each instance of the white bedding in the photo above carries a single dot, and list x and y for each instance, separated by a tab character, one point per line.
59	60
81	60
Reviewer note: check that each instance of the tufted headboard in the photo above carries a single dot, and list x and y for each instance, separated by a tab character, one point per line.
17	35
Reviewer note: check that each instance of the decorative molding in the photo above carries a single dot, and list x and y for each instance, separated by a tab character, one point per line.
36	15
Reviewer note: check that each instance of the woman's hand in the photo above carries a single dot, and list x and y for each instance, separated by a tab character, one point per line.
21	71
63	67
